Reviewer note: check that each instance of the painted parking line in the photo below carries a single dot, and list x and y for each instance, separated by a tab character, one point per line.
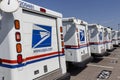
100	66
111	58
107	58
118	77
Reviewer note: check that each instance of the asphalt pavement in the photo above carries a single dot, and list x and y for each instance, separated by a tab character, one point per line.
102	68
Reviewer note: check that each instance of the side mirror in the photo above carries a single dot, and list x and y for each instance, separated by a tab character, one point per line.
9	5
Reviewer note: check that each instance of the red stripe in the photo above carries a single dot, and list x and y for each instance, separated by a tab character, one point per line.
96	42
39	56
71	46
75	46
30	58
85	44
114	39
9	61
107	41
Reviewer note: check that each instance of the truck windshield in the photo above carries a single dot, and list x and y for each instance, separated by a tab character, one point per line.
109	36
105	32
118	34
93	31
113	34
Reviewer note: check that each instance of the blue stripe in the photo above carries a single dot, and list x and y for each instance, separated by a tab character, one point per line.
78	48
97	44
108	42
29	62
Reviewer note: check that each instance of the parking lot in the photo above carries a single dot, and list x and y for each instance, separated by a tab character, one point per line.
95	70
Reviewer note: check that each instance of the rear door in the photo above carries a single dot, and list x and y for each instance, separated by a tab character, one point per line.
40	41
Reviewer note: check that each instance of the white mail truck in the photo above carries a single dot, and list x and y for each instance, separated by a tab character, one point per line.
108	38
115	40
31	42
97	44
77	49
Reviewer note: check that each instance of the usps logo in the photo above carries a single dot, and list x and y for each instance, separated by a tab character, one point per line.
82	35
41	36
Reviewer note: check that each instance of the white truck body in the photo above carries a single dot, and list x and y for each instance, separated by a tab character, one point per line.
31	44
108	38
115	40
97	45
77	48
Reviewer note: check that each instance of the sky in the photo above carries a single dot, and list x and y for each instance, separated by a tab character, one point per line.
104	12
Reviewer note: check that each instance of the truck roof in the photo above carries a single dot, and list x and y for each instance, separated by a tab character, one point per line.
95	25
115	31
107	28
38	9
73	19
